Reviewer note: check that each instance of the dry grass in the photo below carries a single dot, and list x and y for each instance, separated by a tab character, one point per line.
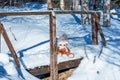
63	75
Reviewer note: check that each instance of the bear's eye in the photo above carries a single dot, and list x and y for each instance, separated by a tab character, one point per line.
64	45
60	44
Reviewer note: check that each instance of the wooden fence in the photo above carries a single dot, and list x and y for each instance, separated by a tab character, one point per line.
52	21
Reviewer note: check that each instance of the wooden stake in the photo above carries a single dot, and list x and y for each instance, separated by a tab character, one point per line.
5	36
94	31
53	55
99	29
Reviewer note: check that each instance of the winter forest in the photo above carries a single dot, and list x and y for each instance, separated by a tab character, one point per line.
59	39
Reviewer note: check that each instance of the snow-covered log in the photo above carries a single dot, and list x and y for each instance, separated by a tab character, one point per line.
106	13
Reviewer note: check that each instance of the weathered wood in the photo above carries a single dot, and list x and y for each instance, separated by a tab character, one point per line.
46	12
94	30
6	38
53	55
24	13
61	66
99	29
76	12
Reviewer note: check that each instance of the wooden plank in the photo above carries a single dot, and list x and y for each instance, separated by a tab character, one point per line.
61	66
94	30
113	13
53	55
24	13
75	12
46	13
6	38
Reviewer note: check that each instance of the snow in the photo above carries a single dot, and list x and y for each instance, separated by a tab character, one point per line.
10	69
30	38
4	58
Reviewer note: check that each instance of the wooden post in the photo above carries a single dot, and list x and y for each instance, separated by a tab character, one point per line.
106	13
96	28
49	3
99	29
94	31
5	36
84	7
53	55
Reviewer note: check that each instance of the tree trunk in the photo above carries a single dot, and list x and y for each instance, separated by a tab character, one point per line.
62	4
11	2
71	4
67	4
75	4
49	2
106	13
84	7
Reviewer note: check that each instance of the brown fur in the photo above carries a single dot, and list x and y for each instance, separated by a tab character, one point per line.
64	50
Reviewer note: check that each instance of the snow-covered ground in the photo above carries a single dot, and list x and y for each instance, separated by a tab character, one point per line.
30	38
